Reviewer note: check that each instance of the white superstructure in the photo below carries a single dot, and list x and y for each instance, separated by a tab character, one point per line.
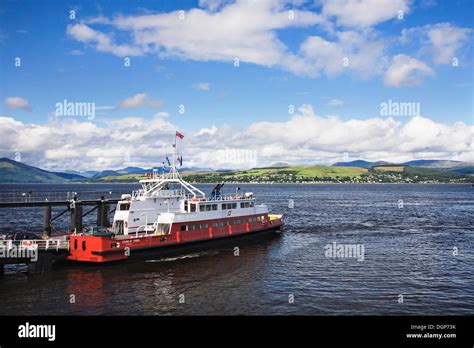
165	199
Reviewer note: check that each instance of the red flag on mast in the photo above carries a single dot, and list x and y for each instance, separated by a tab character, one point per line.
179	135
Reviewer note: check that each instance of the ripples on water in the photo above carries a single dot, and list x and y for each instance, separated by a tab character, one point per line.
408	251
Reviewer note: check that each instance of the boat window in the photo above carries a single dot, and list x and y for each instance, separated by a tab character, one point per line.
251	204
202	207
193	208
197	227
226	206
163	228
214	207
124	206
208	207
183	228
119	227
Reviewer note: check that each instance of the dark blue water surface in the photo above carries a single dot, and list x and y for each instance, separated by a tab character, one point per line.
409	250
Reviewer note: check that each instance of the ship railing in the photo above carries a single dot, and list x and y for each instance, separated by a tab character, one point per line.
169	193
58	196
229	198
159	194
38	244
137	193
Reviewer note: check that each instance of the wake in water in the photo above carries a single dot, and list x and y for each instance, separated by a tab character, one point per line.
183	257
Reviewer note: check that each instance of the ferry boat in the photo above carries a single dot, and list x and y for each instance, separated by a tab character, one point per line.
170	213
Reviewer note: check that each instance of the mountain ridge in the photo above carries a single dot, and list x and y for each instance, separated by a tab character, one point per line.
17	172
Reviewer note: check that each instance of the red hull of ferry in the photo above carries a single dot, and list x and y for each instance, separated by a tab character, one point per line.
104	249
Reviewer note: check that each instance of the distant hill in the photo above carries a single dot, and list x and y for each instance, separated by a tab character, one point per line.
132	170
86	174
451	166
20	173
463	169
279	165
129	171
105	173
70	176
358	171
359	164
460	167
384	173
89	173
438	164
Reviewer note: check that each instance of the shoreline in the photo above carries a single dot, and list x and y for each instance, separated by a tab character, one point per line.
250	183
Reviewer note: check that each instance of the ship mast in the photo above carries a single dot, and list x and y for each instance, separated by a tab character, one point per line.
154	184
174	172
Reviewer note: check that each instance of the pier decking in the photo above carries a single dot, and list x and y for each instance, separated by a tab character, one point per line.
73	202
40	254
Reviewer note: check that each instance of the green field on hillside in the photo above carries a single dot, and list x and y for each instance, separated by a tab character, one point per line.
304	171
390	168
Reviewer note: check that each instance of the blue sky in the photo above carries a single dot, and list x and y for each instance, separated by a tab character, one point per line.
282	64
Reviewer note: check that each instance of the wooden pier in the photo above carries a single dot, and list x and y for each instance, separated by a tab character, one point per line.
73	205
50	249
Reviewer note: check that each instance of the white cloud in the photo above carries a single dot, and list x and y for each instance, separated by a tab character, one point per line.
406	71
17	103
305	139
244	29
207	131
364	13
248	30
202	86
140	100
441	41
362	53
102	42
446	40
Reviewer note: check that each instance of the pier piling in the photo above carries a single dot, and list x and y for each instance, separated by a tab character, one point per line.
76	217
104	221
47	221
100	206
